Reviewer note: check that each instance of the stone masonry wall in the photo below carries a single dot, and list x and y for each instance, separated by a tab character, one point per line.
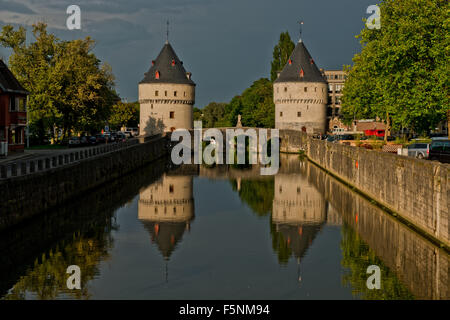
25	196
417	190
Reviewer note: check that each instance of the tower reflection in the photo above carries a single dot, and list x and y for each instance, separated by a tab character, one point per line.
166	209
299	210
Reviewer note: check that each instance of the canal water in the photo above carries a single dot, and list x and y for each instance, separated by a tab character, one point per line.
224	232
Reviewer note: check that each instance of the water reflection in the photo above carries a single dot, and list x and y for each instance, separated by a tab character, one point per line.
298	214
166	209
295	217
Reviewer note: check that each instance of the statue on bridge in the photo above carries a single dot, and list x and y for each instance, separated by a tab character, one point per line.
239	123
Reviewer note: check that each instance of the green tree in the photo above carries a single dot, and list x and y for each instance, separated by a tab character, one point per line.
197	114
255	105
124	115
213	113
281	54
402	73
70	89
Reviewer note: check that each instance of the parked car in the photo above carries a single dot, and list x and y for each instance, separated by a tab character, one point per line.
92	141
109	137
440	150
84	141
121	137
134	131
100	138
128	134
419	150
74	142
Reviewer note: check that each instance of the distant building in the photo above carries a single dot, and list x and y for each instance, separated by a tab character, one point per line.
13	110
370	127
300	94
336	80
166	95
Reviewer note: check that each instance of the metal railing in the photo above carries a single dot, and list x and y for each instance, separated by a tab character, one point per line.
43	163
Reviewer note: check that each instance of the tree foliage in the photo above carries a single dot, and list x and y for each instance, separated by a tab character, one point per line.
212	114
255	105
281	54
124	114
70	89
402	73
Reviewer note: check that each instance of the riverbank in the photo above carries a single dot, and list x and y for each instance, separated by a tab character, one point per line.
25	196
415	191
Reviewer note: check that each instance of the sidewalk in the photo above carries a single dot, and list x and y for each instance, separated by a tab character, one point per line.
29	154
17	156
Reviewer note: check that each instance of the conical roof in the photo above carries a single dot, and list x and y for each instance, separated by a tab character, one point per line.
167	236
300	67
167	68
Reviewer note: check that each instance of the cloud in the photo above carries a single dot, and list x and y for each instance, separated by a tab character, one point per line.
17	7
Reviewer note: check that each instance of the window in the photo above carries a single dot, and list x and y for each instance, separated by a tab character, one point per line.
281	189
165	93
12	104
156	93
172	114
299	114
306	89
174	93
285	89
171	188
151	106
281	114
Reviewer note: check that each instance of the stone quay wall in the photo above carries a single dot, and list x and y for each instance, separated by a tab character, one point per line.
423	267
418	191
23	197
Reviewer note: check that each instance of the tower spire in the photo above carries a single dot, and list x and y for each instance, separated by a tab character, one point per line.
167	32
301	23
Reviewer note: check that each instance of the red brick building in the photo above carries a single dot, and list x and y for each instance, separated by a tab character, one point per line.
13	110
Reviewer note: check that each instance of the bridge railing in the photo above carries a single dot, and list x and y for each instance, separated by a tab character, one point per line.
48	162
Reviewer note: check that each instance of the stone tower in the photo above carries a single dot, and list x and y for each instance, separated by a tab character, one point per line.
166	95
300	94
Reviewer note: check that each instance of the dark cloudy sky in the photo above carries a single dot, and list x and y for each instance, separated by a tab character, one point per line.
226	44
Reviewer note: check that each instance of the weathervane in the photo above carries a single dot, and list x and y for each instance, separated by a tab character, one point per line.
301	23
